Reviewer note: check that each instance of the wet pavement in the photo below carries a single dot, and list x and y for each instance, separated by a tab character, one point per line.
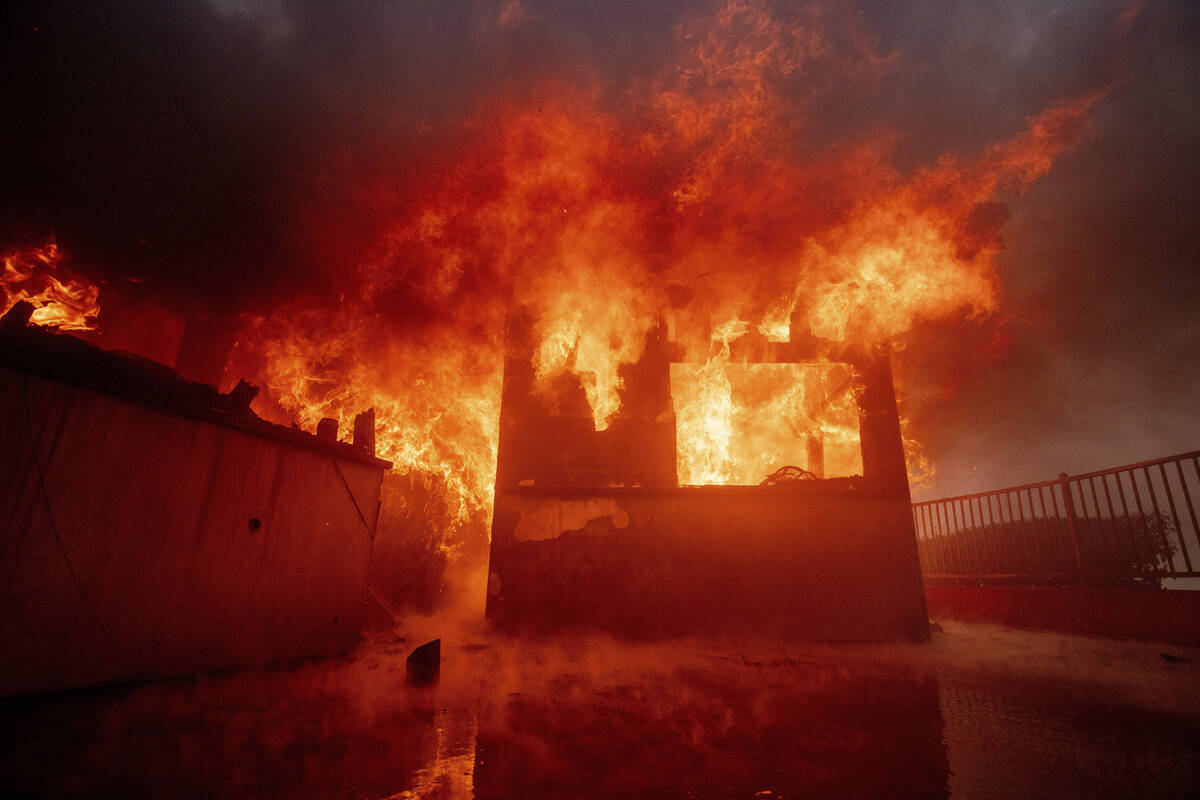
980	712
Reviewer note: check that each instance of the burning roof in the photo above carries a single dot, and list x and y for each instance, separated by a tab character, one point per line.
45	352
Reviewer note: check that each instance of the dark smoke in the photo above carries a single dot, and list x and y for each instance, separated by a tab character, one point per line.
230	154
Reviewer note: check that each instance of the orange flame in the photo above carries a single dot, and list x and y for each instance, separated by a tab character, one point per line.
60	298
736	423
921	471
437	405
693	194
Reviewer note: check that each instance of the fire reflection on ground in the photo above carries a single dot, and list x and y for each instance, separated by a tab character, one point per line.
981	712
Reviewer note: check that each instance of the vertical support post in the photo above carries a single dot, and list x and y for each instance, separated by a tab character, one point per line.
1072	522
816	395
327	430
815	447
882	448
364	430
884	469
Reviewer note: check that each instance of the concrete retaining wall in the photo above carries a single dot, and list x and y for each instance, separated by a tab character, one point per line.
1148	614
806	562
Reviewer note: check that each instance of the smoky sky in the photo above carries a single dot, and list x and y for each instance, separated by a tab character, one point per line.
195	147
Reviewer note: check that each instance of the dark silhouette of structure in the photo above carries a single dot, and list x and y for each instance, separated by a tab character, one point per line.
592	530
155	527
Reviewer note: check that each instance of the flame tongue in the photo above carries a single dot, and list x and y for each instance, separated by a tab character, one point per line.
436	401
692	195
593	337
60	298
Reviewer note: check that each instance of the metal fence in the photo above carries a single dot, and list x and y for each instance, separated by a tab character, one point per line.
1132	525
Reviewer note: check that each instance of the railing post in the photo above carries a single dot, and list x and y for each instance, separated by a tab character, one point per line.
1072	524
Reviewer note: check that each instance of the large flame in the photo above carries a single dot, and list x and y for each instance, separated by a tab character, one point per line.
60	298
598	208
737	423
437	403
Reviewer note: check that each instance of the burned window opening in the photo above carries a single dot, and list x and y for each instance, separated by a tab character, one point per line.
754	406
594	524
740	423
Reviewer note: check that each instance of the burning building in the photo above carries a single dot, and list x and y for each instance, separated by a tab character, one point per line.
157	527
608	527
710	245
652	302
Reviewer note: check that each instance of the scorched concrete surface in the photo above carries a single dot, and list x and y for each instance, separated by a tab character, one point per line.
980	712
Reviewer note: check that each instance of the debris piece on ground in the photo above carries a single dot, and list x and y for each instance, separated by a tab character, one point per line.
425	663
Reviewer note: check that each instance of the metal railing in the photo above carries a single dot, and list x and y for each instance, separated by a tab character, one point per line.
1131	525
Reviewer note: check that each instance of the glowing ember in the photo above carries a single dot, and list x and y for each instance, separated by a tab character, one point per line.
60	298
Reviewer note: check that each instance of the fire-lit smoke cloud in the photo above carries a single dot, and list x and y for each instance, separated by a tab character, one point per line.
692	190
374	186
